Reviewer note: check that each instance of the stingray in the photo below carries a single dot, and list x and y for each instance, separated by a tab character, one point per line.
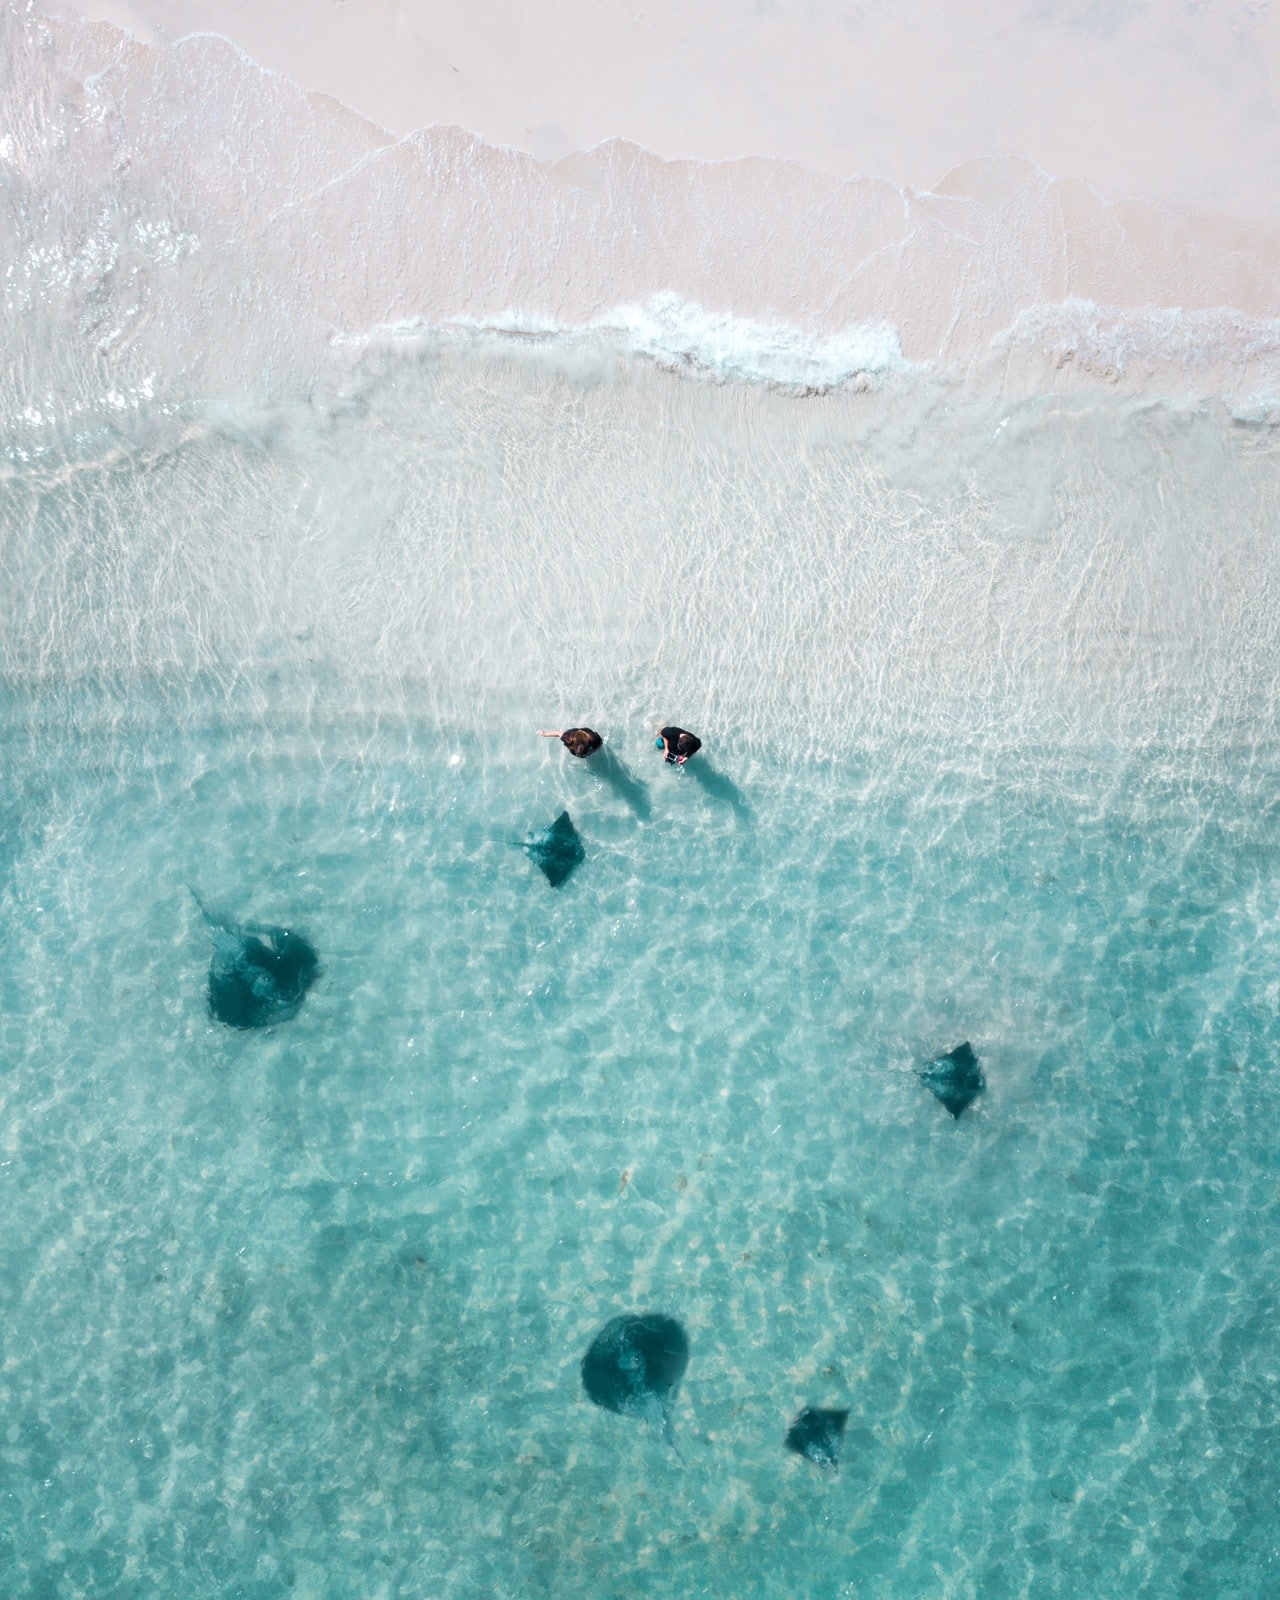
956	1078
258	975
817	1436
634	1367
557	849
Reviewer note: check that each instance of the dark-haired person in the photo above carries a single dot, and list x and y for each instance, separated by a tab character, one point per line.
577	741
677	745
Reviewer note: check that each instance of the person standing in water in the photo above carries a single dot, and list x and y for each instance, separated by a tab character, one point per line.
577	741
677	745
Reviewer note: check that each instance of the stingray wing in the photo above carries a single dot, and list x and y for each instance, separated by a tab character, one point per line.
556	850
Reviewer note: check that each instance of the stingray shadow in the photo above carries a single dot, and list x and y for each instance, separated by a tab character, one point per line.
624	783
719	787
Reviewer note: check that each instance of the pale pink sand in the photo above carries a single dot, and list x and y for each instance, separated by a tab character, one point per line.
1173	100
366	229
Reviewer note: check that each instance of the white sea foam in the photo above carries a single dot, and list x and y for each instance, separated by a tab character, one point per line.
1156	349
691	338
1162	351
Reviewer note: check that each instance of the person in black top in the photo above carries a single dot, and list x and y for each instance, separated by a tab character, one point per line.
577	741
677	745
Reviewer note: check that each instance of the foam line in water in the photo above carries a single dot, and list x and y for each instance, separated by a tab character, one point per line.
1083	344
679	334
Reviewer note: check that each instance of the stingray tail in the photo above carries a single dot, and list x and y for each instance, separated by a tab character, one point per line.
668	1433
213	920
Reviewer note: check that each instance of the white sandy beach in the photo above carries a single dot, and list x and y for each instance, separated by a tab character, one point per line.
1052	196
1173	102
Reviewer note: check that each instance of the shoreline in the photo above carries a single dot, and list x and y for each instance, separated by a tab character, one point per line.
281	208
1177	110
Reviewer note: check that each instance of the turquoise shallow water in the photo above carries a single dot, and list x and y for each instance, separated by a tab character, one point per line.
988	691
301	1312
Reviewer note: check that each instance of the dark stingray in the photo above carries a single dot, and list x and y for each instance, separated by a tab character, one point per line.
956	1078
557	850
634	1367
817	1436
258	975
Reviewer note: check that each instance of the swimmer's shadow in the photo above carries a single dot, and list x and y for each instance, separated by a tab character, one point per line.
624	783
719	787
